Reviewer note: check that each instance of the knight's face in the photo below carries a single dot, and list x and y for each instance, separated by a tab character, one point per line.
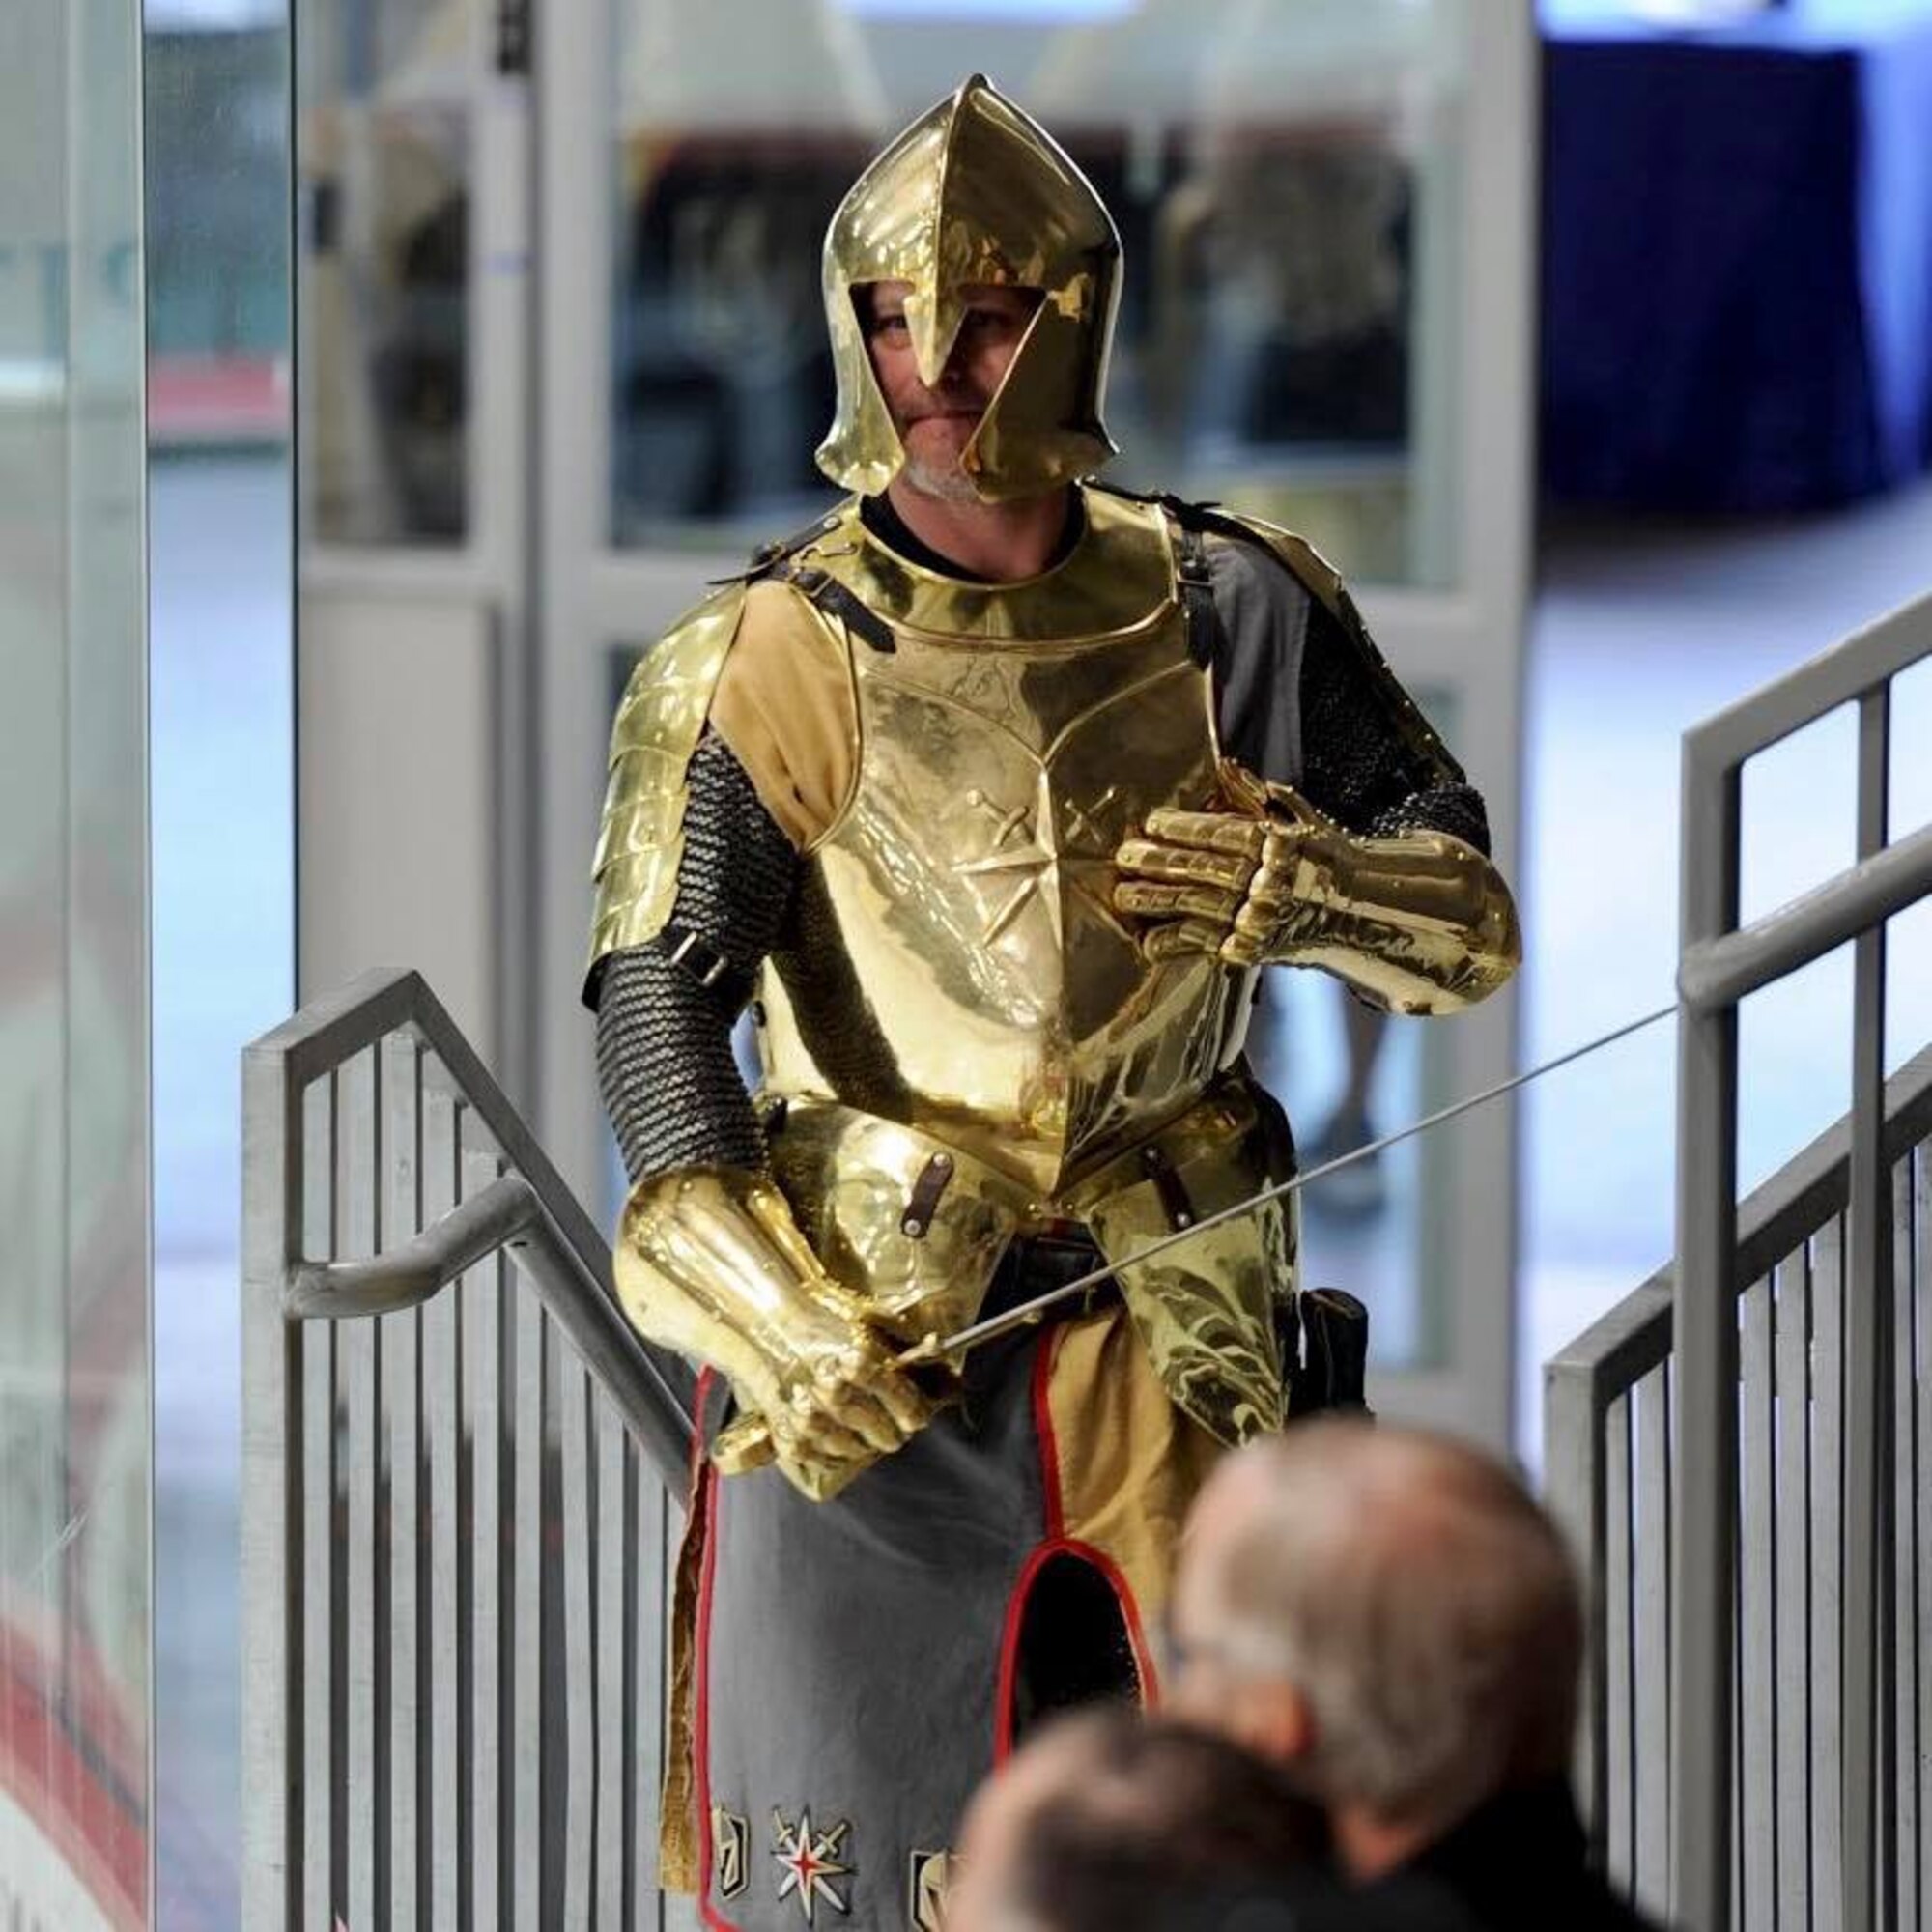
936	423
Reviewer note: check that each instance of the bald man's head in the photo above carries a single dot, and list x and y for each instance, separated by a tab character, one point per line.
1387	1611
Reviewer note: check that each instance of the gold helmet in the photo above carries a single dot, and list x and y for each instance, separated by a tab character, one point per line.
974	192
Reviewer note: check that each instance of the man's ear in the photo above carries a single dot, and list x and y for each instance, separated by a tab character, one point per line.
1275	1723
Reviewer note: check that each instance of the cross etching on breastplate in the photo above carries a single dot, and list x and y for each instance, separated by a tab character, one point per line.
1047	857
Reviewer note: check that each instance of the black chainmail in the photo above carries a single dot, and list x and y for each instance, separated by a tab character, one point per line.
663	1041
1355	764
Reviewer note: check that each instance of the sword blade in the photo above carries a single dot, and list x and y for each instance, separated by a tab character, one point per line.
1027	1313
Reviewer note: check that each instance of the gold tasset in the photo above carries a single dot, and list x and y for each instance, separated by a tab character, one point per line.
976	192
1418	925
1205	1311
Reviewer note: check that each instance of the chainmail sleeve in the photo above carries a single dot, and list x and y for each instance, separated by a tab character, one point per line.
1356	766
665	1064
1298	703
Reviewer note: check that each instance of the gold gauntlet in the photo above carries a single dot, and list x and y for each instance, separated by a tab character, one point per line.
710	1261
1421	923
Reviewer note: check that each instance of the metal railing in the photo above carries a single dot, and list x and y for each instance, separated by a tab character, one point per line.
459	1480
1610	1402
1794	1398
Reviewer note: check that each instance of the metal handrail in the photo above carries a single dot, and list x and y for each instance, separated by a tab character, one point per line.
532	1212
1635	1337
1721	959
1718	973
510	1215
305	1654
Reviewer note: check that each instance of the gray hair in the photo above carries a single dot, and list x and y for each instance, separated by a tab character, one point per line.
1420	1602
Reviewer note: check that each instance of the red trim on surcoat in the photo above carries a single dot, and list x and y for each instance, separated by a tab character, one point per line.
1055	1542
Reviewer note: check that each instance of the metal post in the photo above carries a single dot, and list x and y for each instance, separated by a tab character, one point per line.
1707	1340
1870	1875
272	1495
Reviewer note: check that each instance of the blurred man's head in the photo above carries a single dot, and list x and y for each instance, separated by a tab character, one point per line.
1390	1617
1105	1821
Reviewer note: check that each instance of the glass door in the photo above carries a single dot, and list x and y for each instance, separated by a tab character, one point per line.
414	653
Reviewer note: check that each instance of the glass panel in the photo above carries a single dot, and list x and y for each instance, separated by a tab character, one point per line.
74	1469
386	161
1286	183
221	743
1347	1075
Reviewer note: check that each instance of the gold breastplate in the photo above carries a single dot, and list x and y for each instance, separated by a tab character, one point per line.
961	968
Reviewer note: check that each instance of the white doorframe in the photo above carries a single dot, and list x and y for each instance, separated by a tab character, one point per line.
486	577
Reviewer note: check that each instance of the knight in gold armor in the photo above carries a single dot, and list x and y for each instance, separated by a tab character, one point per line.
991	793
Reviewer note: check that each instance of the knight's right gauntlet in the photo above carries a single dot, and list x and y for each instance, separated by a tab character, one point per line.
710	1261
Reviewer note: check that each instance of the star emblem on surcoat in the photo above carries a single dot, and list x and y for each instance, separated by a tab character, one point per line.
1030	847
808	1861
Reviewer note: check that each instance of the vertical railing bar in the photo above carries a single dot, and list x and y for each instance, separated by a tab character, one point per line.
273	1690
1827	1570
579	1648
361	1350
443	1187
658	1527
1618	1715
1575	1421
611	1652
1757	1792
1870	1875
1920	1295
401	1081
1793	1631
440	1532
1905	1566
1653	1647
322	1741
1736	1836
484	1327
1672	1582
640	1636
527	1634
1707	1358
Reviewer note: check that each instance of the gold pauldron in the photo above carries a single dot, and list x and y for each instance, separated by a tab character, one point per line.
1421	923
710	1261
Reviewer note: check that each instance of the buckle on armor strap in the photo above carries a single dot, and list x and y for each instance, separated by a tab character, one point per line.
1197	592
1170	1187
704	962
926	1192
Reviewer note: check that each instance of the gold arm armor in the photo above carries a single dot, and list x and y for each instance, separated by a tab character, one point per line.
1418	925
658	725
710	1261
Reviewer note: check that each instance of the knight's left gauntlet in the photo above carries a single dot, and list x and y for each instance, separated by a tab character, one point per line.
1420	923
